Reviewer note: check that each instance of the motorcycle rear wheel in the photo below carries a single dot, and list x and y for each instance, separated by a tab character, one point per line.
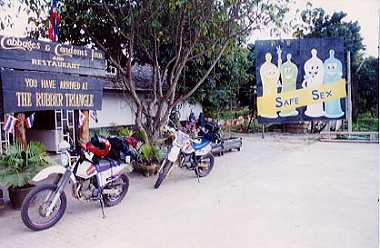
209	160
163	173
123	182
31	201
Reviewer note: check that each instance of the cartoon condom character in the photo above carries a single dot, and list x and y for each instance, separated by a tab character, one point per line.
270	75
333	73
289	73
314	73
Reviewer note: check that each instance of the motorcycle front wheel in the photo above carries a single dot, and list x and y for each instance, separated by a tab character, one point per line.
34	209
205	165
163	173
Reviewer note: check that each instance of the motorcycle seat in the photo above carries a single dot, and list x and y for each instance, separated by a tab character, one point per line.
201	144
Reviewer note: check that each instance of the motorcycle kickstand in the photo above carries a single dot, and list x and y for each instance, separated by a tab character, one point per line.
197	174
102	206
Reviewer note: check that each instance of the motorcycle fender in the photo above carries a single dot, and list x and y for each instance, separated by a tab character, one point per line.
55	169
173	154
205	150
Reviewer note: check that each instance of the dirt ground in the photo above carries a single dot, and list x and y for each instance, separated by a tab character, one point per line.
281	191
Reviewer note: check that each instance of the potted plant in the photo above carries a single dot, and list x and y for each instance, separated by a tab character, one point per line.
125	132
18	167
148	159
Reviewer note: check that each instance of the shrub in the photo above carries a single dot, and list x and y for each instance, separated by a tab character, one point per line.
366	123
125	132
18	167
149	154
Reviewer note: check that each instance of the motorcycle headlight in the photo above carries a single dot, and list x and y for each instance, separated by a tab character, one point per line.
64	159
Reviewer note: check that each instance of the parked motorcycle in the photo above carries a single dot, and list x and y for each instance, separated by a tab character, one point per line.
93	176
192	154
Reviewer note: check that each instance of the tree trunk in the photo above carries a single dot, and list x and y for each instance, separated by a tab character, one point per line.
1	199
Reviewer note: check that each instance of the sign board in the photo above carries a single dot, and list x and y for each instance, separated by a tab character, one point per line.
29	54
300	80
25	91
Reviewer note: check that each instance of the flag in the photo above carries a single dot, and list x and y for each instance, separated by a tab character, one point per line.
9	124
55	20
82	118
94	116
29	121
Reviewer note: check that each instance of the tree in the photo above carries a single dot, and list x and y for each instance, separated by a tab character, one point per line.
367	77
316	24
222	87
5	18
166	34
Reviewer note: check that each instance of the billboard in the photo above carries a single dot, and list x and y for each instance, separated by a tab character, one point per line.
25	91
37	55
300	80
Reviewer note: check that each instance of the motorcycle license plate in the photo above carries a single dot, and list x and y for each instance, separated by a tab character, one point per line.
173	154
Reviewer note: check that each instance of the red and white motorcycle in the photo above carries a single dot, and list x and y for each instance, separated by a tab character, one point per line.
93	177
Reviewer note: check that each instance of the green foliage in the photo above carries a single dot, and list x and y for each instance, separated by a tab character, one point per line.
366	122
140	135
231	114
18	167
125	132
149	154
366	86
102	132
221	89
316	24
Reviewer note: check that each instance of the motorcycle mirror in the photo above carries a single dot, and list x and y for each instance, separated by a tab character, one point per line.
63	145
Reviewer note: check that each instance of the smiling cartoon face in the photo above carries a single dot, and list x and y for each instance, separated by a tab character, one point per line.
333	68
314	68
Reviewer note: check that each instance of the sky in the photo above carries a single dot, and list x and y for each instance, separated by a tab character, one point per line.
366	12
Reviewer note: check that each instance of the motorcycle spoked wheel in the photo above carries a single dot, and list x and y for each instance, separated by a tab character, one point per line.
206	163
163	173
35	204
122	185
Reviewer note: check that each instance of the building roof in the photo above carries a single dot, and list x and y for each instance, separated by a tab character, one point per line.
141	74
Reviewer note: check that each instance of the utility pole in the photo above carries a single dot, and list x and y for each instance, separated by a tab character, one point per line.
348	98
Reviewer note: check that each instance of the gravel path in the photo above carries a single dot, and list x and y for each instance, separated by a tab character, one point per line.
281	191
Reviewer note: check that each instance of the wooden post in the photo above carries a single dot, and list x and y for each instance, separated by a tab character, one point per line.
20	130
84	132
348	98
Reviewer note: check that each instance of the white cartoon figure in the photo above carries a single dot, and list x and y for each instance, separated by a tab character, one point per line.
333	73
270	75
289	73
314	73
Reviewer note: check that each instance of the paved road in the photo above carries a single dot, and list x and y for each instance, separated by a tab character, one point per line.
277	192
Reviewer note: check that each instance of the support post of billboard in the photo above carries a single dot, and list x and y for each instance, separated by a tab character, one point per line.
349	99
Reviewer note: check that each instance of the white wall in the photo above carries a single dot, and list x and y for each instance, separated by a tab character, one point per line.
187	108
117	111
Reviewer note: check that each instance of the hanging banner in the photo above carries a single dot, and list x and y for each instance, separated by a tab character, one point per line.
25	91
36	55
300	80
